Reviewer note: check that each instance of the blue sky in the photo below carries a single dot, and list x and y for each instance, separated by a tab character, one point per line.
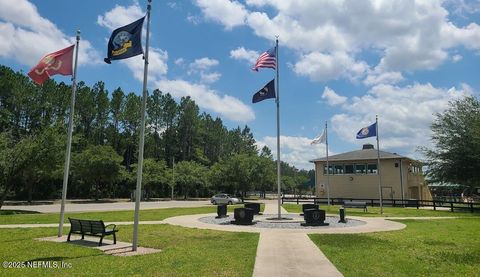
340	61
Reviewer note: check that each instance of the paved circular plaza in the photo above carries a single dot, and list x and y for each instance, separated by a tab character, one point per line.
353	225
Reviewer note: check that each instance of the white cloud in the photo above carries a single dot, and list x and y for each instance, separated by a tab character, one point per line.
333	98
243	54
179	61
120	16
321	67
209	78
195	20
173	5
405	114
376	77
229	13
207	98
457	58
26	36
464	7
157	65
202	67
329	35
296	151
204	63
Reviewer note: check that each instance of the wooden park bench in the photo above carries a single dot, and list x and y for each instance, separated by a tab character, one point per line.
355	204
94	228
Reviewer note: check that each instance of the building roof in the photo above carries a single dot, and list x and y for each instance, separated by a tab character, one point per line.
367	153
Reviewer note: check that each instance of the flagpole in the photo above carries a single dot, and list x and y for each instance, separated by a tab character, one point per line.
138	192
173	174
66	168
328	168
278	129
378	167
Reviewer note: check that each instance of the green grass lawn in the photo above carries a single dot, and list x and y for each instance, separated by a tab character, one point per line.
441	247
387	211
11	217
185	252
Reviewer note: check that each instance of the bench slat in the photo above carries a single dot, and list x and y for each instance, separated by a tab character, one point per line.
352	204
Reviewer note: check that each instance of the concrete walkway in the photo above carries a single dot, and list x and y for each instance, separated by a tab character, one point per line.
48	225
115	206
271	207
282	253
290	254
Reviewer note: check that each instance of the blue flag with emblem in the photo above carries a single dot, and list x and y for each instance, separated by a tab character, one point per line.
268	91
366	132
125	42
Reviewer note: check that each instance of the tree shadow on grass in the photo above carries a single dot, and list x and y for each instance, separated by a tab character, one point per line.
45	259
93	201
15	212
470	258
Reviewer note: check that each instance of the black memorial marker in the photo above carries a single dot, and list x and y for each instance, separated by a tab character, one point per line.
243	216
314	217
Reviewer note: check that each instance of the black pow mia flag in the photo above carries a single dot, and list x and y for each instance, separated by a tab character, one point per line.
125	42
268	91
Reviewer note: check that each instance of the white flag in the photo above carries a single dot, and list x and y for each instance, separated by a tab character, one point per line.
320	139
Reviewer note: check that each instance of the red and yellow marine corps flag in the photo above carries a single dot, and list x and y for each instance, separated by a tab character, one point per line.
59	62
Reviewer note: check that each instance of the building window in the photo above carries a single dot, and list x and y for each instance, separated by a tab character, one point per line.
415	169
325	170
372	169
360	169
349	169
339	169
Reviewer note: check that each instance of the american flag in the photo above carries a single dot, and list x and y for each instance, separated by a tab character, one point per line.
266	60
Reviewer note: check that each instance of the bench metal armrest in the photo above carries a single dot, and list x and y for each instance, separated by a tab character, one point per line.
114	227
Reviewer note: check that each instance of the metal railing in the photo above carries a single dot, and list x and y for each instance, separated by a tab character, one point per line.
416	203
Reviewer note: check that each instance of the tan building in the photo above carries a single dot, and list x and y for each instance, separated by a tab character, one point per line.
354	175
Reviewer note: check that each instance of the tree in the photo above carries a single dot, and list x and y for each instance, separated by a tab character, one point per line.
455	157
170	118
155	124
97	166
85	110
102	104
190	175
154	175
47	162
265	173
116	111
238	172
15	157
33	124
266	152
131	123
188	125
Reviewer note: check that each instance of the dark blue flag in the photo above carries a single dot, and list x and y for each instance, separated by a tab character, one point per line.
367	132
125	42
268	91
